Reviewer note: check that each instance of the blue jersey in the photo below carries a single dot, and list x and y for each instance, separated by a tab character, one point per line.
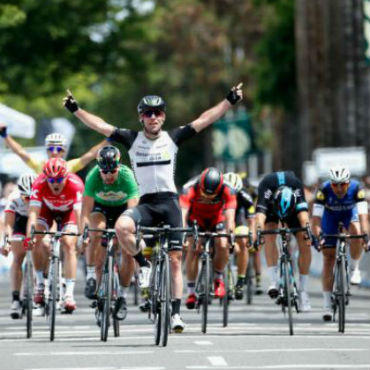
332	203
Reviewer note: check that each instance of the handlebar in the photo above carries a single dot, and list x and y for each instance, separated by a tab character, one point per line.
87	229
57	234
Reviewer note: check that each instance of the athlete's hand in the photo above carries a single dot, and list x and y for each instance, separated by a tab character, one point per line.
82	243
70	102
235	94
3	130
4	250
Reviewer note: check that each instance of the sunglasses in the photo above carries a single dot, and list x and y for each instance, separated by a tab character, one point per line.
148	113
57	149
105	172
340	185
53	180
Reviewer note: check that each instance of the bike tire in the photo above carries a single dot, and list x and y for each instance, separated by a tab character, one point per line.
205	294
53	296
165	300
107	297
116	323
288	296
156	307
28	295
249	283
136	290
341	294
225	300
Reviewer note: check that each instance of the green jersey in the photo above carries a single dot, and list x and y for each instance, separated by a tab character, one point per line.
116	194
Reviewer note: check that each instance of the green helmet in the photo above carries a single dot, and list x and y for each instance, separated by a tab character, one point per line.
151	102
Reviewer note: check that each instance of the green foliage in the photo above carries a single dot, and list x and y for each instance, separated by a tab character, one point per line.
275	70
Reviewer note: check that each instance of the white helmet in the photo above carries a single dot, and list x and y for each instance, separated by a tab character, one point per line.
25	182
234	180
339	174
55	139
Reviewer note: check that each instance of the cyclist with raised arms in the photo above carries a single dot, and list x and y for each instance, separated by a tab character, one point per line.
210	202
110	189
244	222
281	200
153	153
55	145
56	196
16	214
339	199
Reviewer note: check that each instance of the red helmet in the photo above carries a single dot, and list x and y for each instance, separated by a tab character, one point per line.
55	167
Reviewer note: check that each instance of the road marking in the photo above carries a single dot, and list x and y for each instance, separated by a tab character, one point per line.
284	367
217	361
103	368
81	353
203	343
278	350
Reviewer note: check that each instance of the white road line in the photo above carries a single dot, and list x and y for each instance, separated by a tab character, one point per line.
217	361
102	368
284	367
278	350
81	353
203	343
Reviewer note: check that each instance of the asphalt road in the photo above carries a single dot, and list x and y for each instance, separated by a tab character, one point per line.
256	338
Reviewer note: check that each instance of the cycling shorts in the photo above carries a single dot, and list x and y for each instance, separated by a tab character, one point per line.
330	222
20	225
66	221
159	209
110	213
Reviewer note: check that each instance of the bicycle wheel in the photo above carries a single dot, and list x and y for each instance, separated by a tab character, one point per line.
116	323
205	271
165	297
288	295
249	282
107	296
225	300
28	304
53	295
156	306
136	289
341	294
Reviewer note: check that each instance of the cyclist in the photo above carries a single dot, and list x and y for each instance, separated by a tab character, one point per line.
212	203
55	145
281	199
244	222
56	196
16	213
110	189
339	199
153	154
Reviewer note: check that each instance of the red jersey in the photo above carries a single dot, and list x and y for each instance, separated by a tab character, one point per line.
70	197
207	212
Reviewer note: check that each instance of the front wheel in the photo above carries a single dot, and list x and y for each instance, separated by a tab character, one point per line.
53	295
341	295
165	297
28	304
228	293
107	281
288	296
205	278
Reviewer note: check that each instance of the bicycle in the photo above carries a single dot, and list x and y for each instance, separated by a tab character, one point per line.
341	291
27	284
160	283
54	276
107	293
288	291
203	284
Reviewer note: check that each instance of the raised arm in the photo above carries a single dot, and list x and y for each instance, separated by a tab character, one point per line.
215	113
90	120
13	145
91	154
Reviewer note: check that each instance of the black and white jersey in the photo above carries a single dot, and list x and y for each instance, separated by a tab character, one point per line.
16	204
153	160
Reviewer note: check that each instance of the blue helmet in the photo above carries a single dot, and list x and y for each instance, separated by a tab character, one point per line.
284	201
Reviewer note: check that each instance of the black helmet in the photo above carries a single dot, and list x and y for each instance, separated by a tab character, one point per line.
151	102
211	180
108	158
284	201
